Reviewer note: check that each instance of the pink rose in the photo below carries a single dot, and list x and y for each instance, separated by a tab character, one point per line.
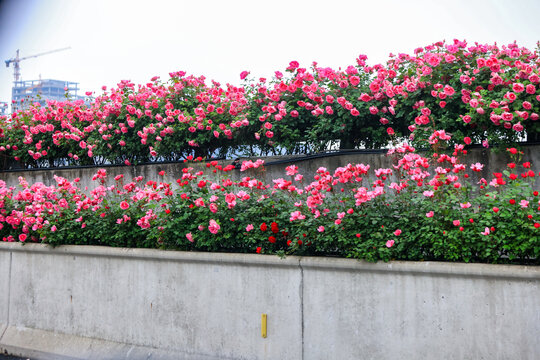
213	227
448	90
518	87
518	127
365	97
293	65
506	116
244	75
510	96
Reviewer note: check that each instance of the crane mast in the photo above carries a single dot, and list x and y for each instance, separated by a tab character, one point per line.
17	59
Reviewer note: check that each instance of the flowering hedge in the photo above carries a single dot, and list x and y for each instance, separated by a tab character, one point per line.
480	94
422	208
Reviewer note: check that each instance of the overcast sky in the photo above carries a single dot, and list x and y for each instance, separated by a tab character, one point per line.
115	40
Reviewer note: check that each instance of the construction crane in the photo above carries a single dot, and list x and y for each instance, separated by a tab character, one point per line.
16	60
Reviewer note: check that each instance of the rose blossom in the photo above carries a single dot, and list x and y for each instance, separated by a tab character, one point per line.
213	227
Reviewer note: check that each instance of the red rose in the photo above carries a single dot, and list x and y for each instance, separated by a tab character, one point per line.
512	150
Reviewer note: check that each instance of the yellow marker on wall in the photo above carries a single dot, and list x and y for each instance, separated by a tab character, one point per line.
263	325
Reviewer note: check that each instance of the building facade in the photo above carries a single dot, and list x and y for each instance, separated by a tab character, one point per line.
25	93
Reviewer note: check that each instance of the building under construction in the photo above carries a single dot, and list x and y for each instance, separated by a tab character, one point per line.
26	93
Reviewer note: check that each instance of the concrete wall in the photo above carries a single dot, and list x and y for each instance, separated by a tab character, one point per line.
5	265
419	311
275	168
104	303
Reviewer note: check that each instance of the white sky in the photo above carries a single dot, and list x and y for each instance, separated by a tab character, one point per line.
114	40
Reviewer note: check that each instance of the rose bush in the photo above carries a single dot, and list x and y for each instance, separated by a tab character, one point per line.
482	94
423	208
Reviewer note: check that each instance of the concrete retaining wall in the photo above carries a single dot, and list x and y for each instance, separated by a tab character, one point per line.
275	168
5	265
75	302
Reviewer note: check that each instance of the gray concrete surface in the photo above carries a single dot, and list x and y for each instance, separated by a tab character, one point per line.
158	303
495	162
77	302
5	276
398	316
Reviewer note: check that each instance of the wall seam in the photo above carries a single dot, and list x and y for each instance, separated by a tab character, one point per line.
302	306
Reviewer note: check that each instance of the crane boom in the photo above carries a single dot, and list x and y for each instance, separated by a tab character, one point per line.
16	60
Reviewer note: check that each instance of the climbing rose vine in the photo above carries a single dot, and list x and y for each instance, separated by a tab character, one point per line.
479	93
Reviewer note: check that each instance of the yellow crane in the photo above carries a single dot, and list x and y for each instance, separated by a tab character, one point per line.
16	60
